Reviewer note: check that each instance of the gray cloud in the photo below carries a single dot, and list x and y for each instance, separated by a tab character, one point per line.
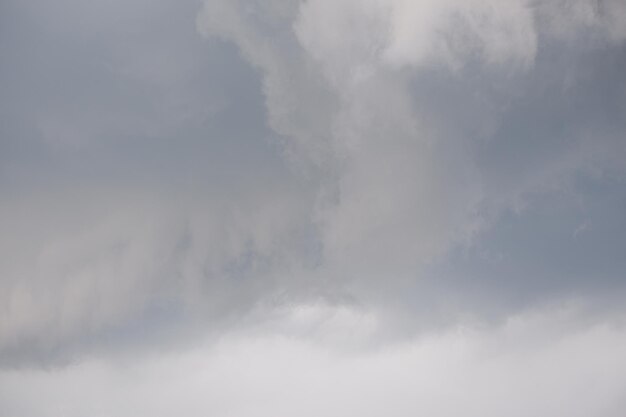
128	184
423	148
349	181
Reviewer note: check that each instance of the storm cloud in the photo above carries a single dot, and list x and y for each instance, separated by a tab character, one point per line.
403	207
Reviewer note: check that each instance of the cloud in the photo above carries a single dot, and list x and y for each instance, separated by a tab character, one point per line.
426	120
133	195
602	18
426	160
93	264
400	34
537	363
315	207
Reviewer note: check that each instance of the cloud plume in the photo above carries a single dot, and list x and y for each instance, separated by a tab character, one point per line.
246	207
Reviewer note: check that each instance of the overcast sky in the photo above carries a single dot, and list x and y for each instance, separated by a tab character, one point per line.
313	208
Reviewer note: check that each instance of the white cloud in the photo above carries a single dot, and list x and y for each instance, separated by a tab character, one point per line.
350	38
536	364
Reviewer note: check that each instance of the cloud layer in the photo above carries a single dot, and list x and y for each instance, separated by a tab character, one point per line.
532	365
417	203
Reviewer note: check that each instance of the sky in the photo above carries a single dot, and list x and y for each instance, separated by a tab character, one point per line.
313	208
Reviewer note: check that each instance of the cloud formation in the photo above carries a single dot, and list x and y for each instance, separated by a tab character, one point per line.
427	120
416	203
532	365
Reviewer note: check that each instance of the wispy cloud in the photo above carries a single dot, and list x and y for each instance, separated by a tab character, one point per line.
370	202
